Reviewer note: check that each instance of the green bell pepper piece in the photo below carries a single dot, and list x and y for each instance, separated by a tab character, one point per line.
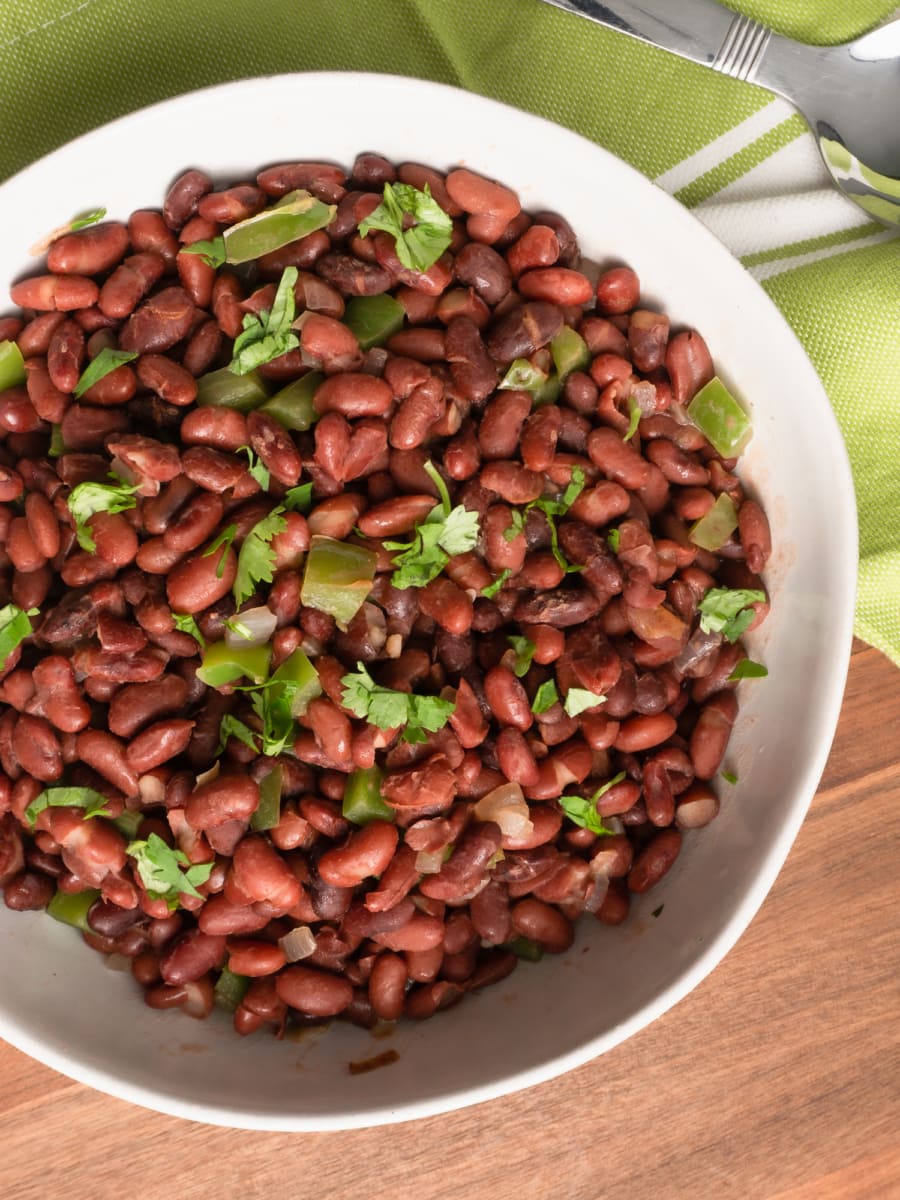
526	949
715	527
303	677
72	907
223	389
223	663
720	418
268	812
362	797
292	406
293	217
522	375
570	352
337	578
12	366
230	990
373	319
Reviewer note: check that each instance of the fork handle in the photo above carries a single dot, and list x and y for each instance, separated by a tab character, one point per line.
701	30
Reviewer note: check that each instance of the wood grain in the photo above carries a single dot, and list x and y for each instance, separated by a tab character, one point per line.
777	1079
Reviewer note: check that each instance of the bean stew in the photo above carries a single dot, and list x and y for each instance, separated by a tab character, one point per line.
373	577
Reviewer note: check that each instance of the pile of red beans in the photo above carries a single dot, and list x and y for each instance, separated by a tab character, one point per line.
105	694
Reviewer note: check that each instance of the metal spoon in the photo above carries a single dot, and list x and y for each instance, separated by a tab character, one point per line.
849	94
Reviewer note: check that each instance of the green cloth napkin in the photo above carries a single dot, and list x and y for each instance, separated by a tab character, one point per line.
744	162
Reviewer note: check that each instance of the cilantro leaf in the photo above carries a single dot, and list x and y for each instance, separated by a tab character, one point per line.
574	488
515	527
14	628
748	669
185	623
729	776
87	499
493	588
386	708
257	467
612	540
420	246
728	610
105	362
88	218
524	649
579	699
256	560
269	335
545	697
212	252
634	419
444	532
221	541
582	810
93	803
299	499
231	726
161	870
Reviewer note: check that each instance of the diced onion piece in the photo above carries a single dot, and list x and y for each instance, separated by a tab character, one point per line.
152	790
429	862
212	773
508	808
299	943
252	627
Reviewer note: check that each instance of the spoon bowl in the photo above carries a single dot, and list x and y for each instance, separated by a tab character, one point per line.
849	94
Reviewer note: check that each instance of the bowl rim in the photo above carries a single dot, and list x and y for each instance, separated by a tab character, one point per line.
76	1065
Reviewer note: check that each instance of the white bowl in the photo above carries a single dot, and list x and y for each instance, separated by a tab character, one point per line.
61	1004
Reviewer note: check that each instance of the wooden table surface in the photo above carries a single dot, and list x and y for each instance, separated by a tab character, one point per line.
778	1077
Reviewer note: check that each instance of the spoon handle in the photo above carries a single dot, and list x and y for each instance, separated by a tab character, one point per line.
701	30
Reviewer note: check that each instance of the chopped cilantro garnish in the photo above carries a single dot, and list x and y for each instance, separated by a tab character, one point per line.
185	623
15	627
388	709
748	669
162	870
493	588
583	810
87	499
257	467
93	803
579	699
256	560
524	649
212	252
728	610
105	362
270	334
444	532
221	542
545	697
421	245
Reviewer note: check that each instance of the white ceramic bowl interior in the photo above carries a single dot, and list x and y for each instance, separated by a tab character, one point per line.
60	1003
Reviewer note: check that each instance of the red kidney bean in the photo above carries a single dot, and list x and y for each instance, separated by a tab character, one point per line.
89	251
367	853
353	395
543	924
191	957
227	798
507	698
183	197
59	293
654	860
618	290
195	584
697	805
158	744
313	992
37	748
753	526
253	958
159	322
128	284
710	735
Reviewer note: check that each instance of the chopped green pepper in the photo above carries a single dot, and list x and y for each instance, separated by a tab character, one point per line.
302	680
268	813
362	797
373	319
294	216
12	366
224	389
714	528
292	406
337	578
525	948
524	376
223	663
230	990
72	907
570	352
720	418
